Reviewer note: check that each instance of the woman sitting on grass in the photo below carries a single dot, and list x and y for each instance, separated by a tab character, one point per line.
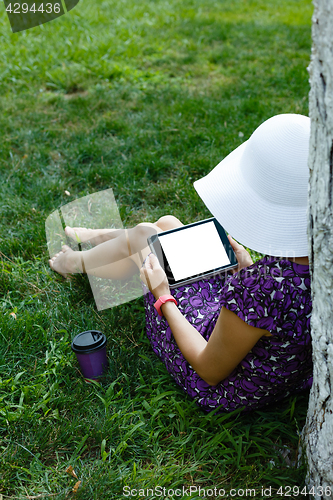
243	341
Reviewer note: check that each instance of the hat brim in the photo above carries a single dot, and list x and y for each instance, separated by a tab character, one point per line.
257	223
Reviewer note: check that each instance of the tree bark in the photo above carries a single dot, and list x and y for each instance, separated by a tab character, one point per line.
318	430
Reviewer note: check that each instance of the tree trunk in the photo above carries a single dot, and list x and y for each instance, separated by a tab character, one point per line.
318	430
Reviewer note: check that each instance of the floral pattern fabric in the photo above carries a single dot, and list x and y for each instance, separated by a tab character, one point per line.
272	294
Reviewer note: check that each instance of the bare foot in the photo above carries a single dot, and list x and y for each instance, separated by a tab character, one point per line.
82	234
66	261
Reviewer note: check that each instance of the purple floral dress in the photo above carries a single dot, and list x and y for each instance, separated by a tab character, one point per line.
272	294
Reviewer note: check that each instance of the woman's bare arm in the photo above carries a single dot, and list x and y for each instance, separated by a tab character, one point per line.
228	344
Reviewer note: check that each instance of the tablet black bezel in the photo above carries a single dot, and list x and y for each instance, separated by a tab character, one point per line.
156	248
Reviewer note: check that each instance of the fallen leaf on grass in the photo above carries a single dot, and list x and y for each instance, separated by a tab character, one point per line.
76	486
71	472
13	315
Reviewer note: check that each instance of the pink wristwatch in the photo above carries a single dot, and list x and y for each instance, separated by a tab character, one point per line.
162	300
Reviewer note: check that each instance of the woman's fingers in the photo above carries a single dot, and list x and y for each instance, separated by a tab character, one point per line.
147	270
232	242
236	246
238	249
154	276
144	276
242	255
153	261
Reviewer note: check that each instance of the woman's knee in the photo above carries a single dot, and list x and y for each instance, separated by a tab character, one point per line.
137	241
145	229
139	234
168	222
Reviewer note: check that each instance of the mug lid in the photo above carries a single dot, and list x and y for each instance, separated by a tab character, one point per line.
89	340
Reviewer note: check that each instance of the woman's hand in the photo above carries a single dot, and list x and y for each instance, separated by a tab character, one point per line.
154	277
242	255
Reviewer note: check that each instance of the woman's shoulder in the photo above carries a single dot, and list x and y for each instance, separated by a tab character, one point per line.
277	268
269	274
271	294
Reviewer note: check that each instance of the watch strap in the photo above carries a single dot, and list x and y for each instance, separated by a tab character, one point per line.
162	300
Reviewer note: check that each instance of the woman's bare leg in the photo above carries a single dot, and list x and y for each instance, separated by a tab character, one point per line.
97	236
117	258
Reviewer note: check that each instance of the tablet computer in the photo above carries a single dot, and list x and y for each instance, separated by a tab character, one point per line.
194	251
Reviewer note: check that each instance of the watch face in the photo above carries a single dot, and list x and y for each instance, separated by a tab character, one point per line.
157	306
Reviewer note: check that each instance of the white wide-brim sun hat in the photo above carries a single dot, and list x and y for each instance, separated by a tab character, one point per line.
259	192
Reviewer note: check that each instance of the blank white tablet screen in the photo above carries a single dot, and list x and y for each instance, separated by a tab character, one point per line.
194	250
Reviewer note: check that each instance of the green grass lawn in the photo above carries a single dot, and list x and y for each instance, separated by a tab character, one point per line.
144	98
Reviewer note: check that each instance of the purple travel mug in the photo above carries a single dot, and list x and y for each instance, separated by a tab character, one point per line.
90	350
